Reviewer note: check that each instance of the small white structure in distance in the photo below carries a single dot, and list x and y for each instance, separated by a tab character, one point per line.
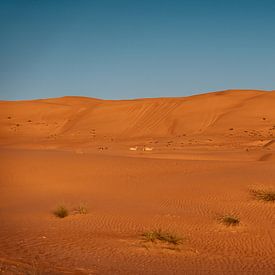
136	148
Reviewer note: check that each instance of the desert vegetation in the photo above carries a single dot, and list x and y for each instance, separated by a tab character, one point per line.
61	211
81	209
229	220
263	195
162	236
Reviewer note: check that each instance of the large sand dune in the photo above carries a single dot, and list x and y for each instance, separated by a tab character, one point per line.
212	113
170	163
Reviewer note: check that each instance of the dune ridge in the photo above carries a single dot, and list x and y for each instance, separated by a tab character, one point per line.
81	118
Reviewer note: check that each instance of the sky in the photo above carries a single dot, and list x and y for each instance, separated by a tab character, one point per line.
120	49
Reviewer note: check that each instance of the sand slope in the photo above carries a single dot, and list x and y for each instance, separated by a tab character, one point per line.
206	152
212	113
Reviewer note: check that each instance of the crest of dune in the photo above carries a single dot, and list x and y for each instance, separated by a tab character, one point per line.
71	117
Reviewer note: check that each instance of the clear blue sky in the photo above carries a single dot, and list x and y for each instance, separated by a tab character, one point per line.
120	49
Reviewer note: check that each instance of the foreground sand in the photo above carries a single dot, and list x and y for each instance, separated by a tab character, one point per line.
208	151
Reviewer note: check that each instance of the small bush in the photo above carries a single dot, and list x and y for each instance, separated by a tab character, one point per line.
159	235
81	209
264	195
229	220
61	212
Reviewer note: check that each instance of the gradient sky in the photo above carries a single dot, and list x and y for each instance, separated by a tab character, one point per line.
120	49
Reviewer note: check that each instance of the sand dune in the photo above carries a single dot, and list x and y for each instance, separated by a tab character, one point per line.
213	113
171	163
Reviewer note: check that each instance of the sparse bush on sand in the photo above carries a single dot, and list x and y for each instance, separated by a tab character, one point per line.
61	211
229	220
263	195
81	209
163	236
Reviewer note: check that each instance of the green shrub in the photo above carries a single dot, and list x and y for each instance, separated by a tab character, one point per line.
264	195
61	212
229	220
163	236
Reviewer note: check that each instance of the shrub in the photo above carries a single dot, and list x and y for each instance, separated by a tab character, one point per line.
61	212
229	220
264	195
81	209
163	236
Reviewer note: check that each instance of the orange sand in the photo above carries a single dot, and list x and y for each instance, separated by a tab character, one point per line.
203	155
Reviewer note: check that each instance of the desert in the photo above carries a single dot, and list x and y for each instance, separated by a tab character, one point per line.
181	185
